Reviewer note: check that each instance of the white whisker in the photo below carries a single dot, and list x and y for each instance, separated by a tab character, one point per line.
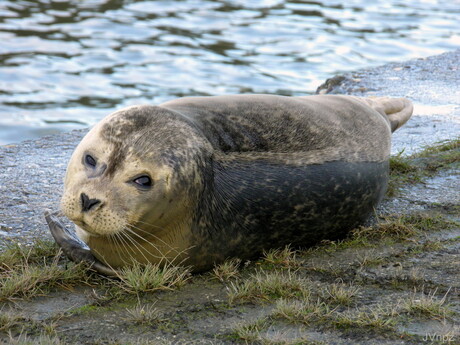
139	248
151	234
163	255
117	237
172	248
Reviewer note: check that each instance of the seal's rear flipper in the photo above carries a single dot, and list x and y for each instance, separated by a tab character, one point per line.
75	249
398	110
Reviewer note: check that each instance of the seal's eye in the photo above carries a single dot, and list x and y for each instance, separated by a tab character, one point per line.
143	181
90	161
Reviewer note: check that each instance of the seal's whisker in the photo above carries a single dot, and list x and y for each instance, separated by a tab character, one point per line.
132	247
123	245
139	248
178	253
99	254
113	239
130	231
151	234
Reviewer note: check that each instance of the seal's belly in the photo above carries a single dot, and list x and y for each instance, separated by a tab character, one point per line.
270	205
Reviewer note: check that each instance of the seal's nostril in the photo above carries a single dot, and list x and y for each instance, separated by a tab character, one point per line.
87	203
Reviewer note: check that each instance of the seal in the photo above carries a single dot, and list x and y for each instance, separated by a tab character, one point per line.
198	180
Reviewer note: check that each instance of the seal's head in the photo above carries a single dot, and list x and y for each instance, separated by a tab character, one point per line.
128	185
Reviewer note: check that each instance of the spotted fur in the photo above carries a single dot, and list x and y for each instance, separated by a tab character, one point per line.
231	175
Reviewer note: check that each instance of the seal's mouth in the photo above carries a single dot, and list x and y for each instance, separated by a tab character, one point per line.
86	228
75	249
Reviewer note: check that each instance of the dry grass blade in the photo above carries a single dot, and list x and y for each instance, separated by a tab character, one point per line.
250	331
17	255
285	257
227	270
304	311
145	315
42	339
27	280
8	320
427	305
376	318
340	294
145	278
386	229
264	285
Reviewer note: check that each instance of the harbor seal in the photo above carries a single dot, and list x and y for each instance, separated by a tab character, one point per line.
198	180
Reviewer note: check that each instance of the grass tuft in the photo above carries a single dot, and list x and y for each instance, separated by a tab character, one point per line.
304	311
425	222
402	227
417	167
250	331
265	286
8	321
401	165
17	255
145	315
340	294
443	146
427	306
27	280
152	277
285	257
369	258
376	319
227	270
42	339
390	227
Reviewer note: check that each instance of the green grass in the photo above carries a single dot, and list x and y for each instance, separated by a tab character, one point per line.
147	278
426	222
26	271
16	254
250	331
226	270
375	318
443	146
417	167
31	280
286	257
8	320
267	286
369	259
427	306
256	332
145	315
340	294
303	311
42	339
401	227
389	228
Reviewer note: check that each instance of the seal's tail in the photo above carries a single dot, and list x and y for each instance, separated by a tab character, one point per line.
398	110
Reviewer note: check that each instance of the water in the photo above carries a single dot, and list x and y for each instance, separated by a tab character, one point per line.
66	63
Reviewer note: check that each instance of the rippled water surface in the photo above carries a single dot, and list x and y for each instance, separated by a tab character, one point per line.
66	63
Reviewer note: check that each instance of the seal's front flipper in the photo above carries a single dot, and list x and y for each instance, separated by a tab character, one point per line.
75	249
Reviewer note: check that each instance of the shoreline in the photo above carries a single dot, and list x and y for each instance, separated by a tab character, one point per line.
32	171
371	286
432	84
